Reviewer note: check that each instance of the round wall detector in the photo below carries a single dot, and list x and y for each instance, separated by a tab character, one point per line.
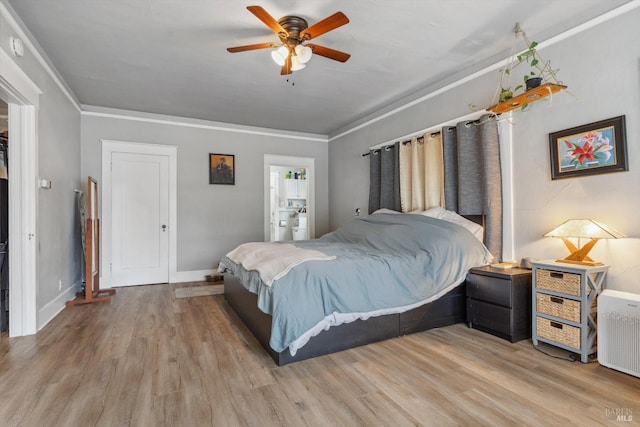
17	47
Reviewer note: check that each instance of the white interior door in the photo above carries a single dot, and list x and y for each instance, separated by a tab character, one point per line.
140	218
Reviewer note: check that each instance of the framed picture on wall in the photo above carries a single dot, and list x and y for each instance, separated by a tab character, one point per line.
222	169
591	149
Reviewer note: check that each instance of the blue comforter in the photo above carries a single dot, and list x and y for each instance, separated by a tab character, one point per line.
384	261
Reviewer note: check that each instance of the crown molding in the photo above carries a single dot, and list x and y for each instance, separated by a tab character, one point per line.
112	113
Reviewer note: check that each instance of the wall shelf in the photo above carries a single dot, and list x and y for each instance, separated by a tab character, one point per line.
528	97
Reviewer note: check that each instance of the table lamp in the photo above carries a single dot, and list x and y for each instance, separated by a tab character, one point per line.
582	228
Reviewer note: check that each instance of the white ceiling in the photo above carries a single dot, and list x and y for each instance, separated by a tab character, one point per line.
169	56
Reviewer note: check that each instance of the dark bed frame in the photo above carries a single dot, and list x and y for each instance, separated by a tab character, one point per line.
446	310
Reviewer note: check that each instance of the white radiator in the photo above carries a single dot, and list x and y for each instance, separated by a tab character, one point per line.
619	331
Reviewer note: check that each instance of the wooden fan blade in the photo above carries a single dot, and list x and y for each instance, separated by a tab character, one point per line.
251	47
264	16
332	22
286	68
336	55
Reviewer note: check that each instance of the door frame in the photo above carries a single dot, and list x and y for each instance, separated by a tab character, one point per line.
112	146
299	162
23	99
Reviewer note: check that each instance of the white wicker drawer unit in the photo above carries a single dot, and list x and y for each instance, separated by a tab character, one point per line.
564	305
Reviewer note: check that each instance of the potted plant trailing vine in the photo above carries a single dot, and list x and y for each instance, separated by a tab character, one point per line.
505	94
540	71
531	80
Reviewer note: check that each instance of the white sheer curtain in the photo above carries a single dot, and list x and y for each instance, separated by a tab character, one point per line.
421	173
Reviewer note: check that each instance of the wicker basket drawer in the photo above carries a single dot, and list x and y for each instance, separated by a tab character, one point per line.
556	281
558	332
558	307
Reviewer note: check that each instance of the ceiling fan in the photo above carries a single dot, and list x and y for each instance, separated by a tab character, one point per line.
293	51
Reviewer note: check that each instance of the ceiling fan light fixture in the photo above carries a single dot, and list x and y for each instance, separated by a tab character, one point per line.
292	53
296	64
303	53
279	55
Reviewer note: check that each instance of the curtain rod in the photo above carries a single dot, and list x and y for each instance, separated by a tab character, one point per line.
388	146
470	116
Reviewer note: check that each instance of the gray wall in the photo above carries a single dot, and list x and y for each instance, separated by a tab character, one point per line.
212	219
601	66
602	69
58	239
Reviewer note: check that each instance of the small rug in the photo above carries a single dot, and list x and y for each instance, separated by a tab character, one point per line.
199	291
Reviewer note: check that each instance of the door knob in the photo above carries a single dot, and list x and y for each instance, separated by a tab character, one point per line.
164	227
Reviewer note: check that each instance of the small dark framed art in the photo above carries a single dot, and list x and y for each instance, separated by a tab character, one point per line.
222	169
591	149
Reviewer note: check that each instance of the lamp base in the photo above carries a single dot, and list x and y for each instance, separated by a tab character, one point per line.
572	261
579	256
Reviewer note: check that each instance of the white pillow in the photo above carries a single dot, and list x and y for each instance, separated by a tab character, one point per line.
435	212
445	215
387	211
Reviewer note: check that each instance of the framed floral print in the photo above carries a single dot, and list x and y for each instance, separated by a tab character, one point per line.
591	149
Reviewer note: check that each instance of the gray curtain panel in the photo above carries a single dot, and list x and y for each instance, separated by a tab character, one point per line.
450	166
384	178
472	175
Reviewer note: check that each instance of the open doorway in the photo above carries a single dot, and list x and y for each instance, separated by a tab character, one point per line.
4	217
289	198
289	203
23	98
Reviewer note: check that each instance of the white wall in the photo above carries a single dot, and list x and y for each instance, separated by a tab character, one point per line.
601	66
212	219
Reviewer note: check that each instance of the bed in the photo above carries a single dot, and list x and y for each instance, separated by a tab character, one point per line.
375	278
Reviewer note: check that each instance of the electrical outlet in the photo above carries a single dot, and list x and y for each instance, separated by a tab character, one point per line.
60	284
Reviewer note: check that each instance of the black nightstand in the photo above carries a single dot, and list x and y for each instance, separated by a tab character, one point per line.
499	301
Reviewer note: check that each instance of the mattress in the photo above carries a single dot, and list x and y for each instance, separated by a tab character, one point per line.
380	264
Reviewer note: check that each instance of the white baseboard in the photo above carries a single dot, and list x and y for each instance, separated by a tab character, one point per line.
51	310
191	276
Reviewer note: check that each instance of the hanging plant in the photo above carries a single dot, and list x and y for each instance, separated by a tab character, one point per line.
539	71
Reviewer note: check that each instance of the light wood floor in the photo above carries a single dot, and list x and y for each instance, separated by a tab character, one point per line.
149	359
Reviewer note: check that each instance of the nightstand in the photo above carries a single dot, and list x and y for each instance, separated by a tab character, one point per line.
499	301
565	305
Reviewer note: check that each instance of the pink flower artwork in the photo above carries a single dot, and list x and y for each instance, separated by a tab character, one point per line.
591	149
586	150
